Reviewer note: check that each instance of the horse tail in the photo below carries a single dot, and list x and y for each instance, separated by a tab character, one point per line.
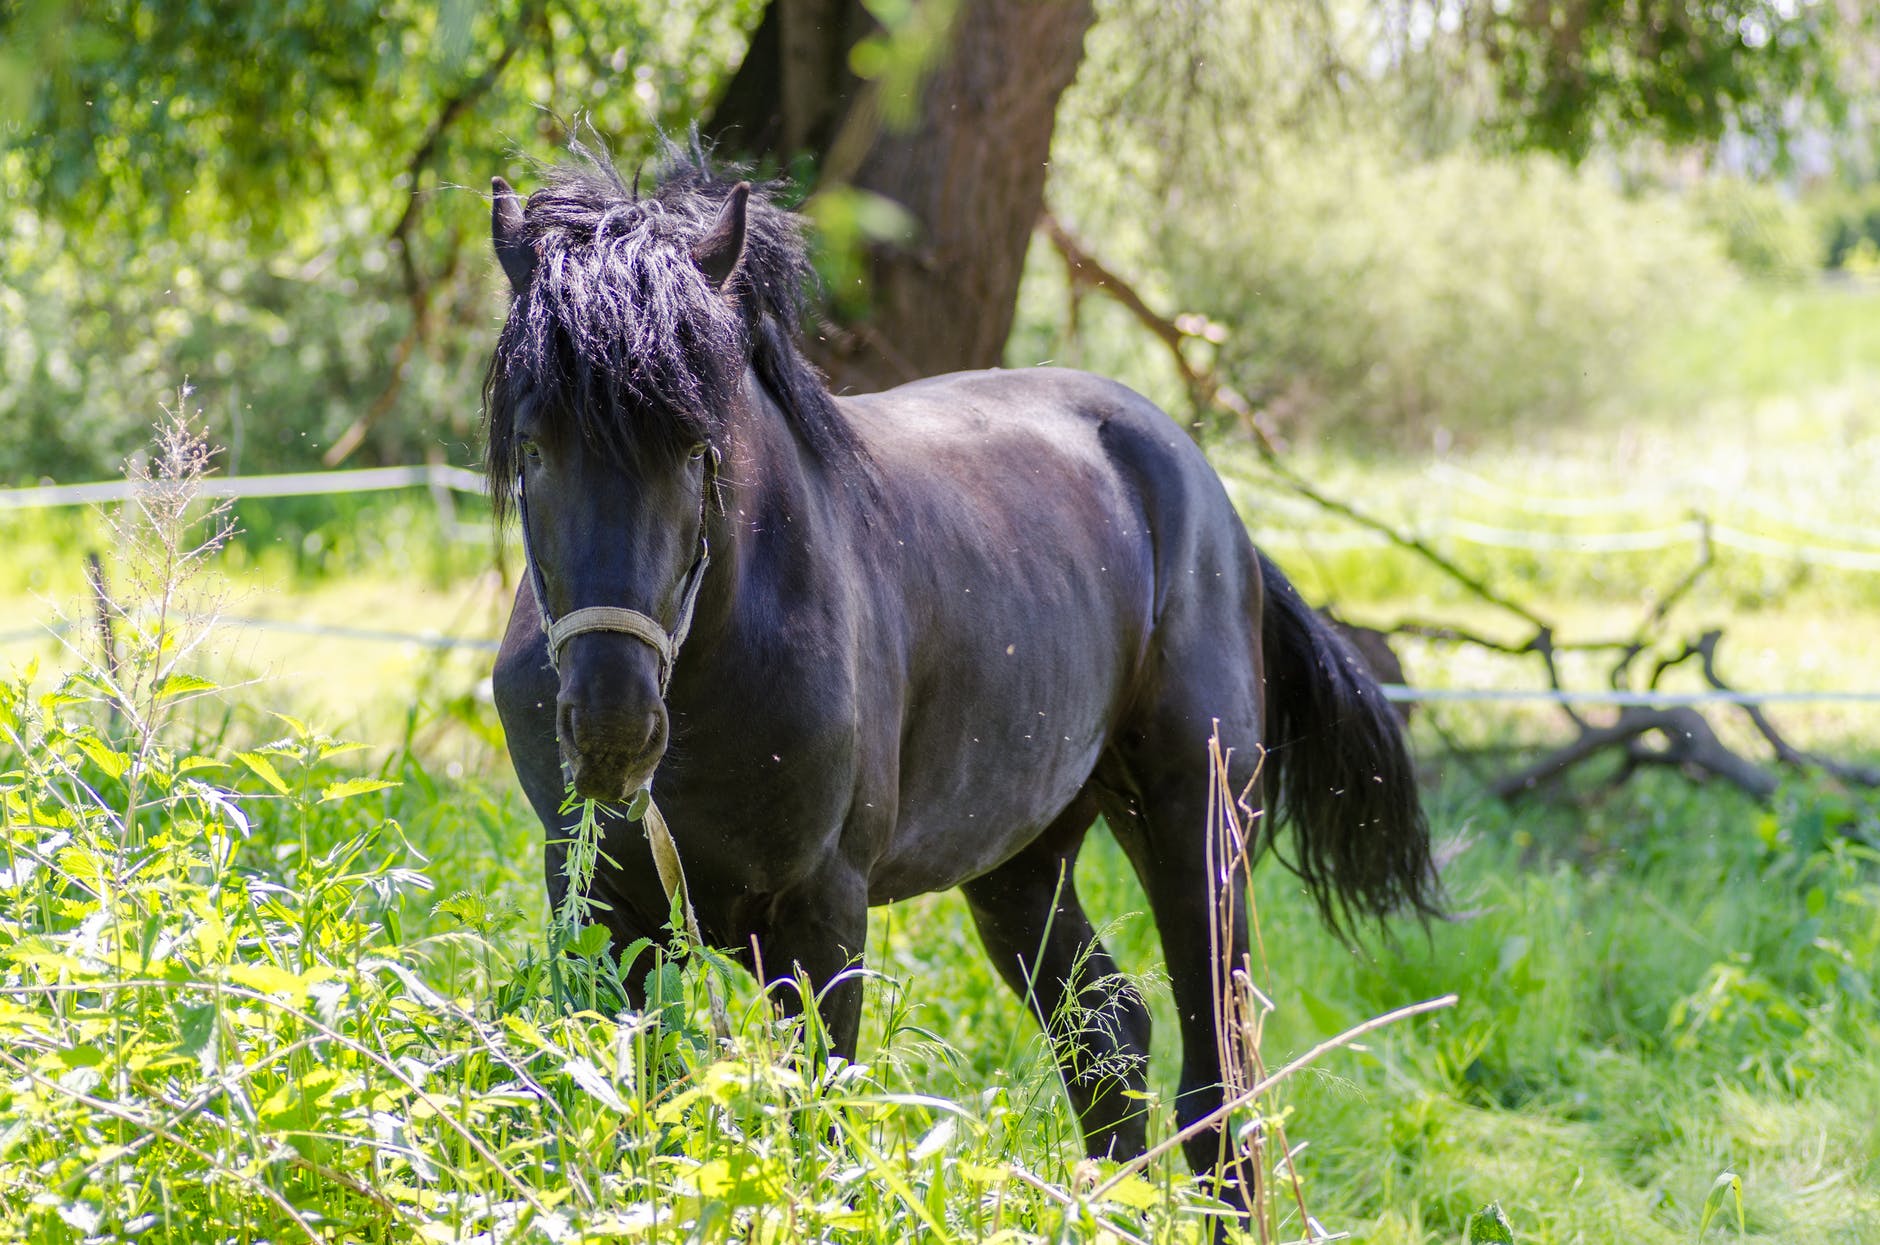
1338	770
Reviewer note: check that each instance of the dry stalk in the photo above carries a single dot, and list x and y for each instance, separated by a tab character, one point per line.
1241	1007
1215	1118
1258	1156
164	544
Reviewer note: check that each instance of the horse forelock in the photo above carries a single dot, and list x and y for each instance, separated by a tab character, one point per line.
623	335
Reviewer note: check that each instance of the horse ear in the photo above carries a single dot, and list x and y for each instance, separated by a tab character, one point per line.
719	251
506	225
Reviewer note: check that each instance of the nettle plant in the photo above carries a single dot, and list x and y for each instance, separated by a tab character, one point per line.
212	1026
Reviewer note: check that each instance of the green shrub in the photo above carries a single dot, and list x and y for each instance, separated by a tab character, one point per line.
286	351
1765	231
1849	224
1366	294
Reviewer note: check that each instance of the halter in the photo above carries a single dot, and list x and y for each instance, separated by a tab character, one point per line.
642	627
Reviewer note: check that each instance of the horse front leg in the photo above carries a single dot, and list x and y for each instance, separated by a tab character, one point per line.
806	944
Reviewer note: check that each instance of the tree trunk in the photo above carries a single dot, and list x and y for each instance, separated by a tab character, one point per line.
970	171
794	85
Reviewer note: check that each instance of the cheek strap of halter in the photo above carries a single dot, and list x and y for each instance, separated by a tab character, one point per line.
642	627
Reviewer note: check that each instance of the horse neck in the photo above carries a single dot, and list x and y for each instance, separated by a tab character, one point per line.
779	507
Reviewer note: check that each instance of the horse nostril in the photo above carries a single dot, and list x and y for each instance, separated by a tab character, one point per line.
625	734
651	730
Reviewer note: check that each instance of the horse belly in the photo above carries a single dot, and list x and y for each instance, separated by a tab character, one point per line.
1018	565
997	743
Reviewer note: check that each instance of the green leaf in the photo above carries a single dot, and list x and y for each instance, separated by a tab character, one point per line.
195	1033
351	787
477	910
465	907
527	1032
264	769
1489	1226
1135	1193
22	1021
108	759
270	979
294	724
1713	1202
583	1073
938	1138
740	1179
590	942
665	986
184	685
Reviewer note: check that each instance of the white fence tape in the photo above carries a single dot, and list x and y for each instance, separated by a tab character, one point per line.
421	639
1619	699
459	479
1392	691
287	626
1536	503
1723	535
1395	692
1721	499
1571	542
299	484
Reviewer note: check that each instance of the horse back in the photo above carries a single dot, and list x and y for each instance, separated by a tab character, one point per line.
1025	536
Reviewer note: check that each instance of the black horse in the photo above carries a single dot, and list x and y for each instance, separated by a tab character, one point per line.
924	638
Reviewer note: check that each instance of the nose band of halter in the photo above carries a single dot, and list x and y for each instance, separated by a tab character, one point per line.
614	618
631	622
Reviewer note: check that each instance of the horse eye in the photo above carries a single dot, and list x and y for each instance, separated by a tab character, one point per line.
699	451
530	449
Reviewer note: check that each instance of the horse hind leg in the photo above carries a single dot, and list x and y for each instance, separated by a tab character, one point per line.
1154	786
1033	926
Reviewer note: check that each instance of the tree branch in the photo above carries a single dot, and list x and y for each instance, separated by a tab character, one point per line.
1206	389
1689	740
1204	384
454	108
1788	754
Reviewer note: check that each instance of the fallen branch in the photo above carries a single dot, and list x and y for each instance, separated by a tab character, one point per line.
1786	753
1689	741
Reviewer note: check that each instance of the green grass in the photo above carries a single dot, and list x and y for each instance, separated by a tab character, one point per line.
1656	986
1768	342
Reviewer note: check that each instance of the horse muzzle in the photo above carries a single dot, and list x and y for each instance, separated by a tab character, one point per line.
611	751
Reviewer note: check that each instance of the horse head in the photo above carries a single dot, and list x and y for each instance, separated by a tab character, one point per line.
607	402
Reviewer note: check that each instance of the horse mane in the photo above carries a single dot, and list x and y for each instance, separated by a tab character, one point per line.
622	334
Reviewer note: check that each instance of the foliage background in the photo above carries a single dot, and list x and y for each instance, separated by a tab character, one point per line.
1433	243
287	205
